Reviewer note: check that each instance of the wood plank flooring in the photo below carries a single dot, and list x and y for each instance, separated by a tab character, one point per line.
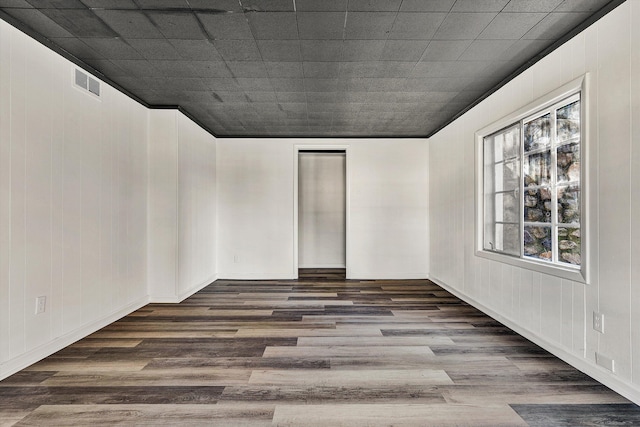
319	351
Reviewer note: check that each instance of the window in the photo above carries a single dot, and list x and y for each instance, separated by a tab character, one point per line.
531	186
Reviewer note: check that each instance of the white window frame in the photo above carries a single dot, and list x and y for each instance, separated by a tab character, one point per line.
575	273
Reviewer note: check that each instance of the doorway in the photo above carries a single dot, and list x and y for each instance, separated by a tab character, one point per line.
321	211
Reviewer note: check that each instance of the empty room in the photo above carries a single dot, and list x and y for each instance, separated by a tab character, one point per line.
320	212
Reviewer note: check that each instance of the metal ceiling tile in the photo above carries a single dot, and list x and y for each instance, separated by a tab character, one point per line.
112	48
287	85
416	26
531	5
479	5
268	5
445	50
110	4
323	70
22	4
463	26
226	26
321	25
511	26
261	96
77	46
57	4
255	84
284	69
177	25
291	96
321	50
320	84
386	84
427	5
163	4
273	25
208	68
247	69
197	50
555	25
374	5
154	49
238	50
482	50
369	25
580	6
403	50
221	84
80	22
216	5
129	23
38	22
280	50
136	68
321	6
362	50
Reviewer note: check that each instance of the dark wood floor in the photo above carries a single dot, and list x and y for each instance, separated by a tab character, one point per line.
320	351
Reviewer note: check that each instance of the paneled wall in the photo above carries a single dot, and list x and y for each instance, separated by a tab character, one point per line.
387	207
73	185
554	312
182	206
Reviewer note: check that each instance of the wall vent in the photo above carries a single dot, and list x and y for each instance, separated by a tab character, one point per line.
86	82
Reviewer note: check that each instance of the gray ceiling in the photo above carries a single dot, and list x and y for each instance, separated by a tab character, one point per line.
306	67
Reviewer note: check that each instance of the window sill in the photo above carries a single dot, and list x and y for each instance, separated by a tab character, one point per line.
574	274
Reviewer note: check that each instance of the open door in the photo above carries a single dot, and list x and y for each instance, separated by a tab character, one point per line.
321	209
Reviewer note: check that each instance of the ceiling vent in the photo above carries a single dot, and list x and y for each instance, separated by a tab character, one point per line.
86	82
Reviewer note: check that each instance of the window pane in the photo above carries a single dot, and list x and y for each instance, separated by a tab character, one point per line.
511	144
537	133
507	207
569	204
569	163
569	245
505	238
537	205
568	122
537	169
537	242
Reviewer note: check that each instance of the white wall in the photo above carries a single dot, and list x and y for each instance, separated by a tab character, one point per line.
73	182
387	232
321	210
182	206
554	312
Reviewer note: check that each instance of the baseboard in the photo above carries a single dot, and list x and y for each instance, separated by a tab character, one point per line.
175	299
615	383
27	359
322	266
385	276
256	276
186	294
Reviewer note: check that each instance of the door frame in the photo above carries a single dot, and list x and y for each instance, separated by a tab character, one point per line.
347	195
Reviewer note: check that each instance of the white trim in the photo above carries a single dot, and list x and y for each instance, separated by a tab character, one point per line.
321	147
322	266
569	89
619	385
256	276
174	299
389	276
14	365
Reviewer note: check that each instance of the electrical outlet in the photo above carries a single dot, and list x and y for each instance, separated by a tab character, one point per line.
41	304
598	322
236	259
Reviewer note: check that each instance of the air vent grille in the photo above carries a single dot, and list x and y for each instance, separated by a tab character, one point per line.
86	82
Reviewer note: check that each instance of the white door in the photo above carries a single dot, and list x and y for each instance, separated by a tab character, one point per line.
321	210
